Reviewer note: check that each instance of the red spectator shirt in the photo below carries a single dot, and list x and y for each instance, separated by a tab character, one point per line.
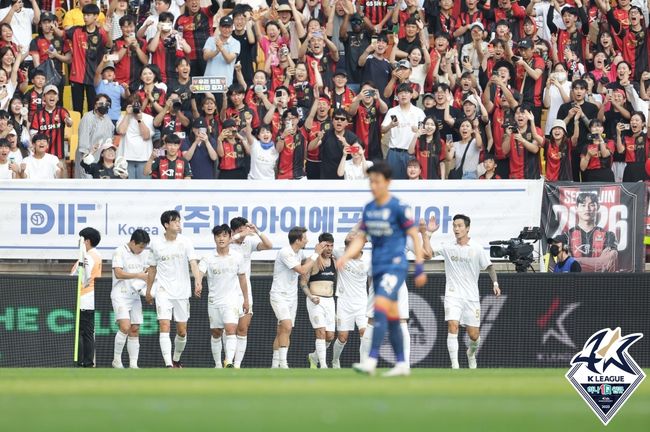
558	163
532	88
367	126
52	124
343	100
523	163
636	149
41	45
429	155
376	10
159	96
242	115
88	49
128	69
34	101
576	41
292	157
234	156
196	29
599	162
165	59
317	126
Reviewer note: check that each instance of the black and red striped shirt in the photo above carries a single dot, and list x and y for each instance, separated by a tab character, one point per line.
128	69
430	155
234	156
317	126
34	101
52	124
376	10
367	124
165	59
41	45
88	49
558	160
196	29
291	165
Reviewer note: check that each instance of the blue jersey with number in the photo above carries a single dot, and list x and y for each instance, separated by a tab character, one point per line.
386	225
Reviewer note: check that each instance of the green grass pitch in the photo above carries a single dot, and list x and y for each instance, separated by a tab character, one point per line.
302	400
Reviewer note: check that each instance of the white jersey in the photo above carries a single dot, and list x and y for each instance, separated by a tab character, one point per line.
463	264
285	279
171	261
352	280
223	277
246	249
130	263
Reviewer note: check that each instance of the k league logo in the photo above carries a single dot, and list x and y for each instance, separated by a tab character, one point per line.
604	373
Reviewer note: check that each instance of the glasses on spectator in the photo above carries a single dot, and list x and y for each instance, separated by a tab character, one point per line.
340	118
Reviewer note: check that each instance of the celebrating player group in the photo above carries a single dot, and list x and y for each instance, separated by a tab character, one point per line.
371	293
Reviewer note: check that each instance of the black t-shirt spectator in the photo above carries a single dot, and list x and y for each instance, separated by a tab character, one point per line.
589	110
247	56
439	115
377	71
183	90
331	151
355	44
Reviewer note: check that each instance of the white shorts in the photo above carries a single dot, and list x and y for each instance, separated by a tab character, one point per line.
221	315
322	314
128	308
348	315
166	308
466	312
402	304
285	309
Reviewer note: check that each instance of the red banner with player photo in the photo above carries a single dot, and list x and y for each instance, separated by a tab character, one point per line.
603	225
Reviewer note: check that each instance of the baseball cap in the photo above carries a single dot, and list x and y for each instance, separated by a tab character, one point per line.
356	18
403	64
199	123
478	24
226	21
341	72
526	43
108	66
48	16
470	99
108	143
561	238
50	88
12	131
427	95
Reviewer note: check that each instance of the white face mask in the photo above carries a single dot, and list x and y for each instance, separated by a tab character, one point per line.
561	76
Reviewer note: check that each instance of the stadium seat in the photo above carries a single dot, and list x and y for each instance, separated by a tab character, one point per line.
72	133
67	98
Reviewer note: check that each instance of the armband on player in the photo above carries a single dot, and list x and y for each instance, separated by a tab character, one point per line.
419	269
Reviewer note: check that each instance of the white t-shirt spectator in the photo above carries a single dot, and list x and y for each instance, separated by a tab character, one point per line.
263	162
16	155
44	168
400	137
471	159
217	66
132	146
21	24
5	172
555	102
354	171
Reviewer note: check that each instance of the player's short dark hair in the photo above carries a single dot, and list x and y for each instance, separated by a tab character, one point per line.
40	137
296	233
172	139
140	236
168	216
166	16
326	237
220	229
582	197
238	222
464	218
381	167
91	234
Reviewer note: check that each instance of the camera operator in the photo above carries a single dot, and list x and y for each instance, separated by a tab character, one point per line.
136	129
562	261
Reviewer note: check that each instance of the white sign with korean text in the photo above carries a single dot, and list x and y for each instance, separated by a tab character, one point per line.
42	219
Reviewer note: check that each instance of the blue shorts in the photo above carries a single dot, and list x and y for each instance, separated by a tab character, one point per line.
388	282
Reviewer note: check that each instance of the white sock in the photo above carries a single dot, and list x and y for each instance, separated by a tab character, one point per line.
166	348
452	347
179	347
321	352
120	340
283	357
242	342
276	359
231	347
133	347
406	335
366	344
215	345
338	349
473	346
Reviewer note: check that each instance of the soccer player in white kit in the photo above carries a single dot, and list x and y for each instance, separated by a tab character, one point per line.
228	294
464	261
318	287
246	239
352	294
129	279
168	268
289	265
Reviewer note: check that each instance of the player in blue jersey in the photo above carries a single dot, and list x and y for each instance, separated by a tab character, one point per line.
387	222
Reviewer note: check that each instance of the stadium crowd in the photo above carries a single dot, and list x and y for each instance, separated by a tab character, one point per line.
318	89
